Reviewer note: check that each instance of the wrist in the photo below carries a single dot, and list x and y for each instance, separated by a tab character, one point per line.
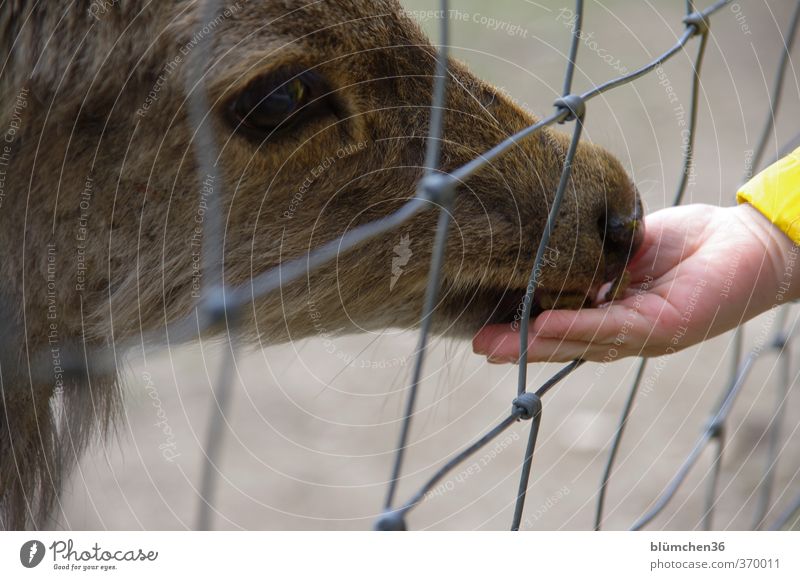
780	251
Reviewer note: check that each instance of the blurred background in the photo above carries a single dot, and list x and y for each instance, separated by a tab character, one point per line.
310	438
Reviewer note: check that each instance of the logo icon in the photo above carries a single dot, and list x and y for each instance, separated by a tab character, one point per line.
31	553
402	254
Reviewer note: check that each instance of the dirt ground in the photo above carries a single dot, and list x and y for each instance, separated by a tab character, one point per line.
310	438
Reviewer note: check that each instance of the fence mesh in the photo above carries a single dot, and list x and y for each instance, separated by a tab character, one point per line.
221	306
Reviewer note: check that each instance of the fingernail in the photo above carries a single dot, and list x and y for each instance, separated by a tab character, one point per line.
501	360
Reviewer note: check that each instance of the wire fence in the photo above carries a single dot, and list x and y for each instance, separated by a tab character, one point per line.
222	306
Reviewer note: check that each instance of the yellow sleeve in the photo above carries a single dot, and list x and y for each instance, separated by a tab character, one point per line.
775	192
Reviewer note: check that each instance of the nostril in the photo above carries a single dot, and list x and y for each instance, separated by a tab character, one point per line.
620	232
622	237
620	228
623	231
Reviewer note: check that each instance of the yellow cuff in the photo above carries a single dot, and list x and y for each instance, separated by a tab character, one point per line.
775	192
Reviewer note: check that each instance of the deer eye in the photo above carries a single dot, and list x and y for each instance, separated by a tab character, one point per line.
277	101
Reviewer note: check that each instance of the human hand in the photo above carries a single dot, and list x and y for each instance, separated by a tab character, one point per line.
702	270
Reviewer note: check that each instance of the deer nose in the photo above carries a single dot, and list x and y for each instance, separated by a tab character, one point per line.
622	234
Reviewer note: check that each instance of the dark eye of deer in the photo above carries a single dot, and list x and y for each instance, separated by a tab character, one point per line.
274	102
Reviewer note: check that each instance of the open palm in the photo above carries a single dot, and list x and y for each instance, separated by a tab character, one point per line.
702	270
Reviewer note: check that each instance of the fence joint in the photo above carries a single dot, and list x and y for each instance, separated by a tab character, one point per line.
528	405
575	104
391	521
699	22
437	188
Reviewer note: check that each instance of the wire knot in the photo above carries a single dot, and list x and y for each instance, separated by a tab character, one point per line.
438	188
391	521
780	342
214	309
529	403
575	104
715	428
698	21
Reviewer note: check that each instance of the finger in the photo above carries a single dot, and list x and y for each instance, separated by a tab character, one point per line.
604	326
597	325
501	346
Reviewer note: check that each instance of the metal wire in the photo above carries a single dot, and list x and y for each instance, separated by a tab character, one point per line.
577	114
221	304
683	182
439	190
761	146
525	324
710	433
688	156
617	441
432	156
783	382
777	91
216	424
207	154
738	338
789	518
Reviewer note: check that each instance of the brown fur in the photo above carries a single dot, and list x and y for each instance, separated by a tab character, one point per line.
84	77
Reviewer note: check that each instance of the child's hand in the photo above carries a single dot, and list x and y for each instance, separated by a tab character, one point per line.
702	270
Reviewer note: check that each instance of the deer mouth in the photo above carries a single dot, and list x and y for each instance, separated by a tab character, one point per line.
511	307
466	310
469	309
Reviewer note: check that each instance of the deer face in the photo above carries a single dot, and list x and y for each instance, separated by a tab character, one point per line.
320	112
